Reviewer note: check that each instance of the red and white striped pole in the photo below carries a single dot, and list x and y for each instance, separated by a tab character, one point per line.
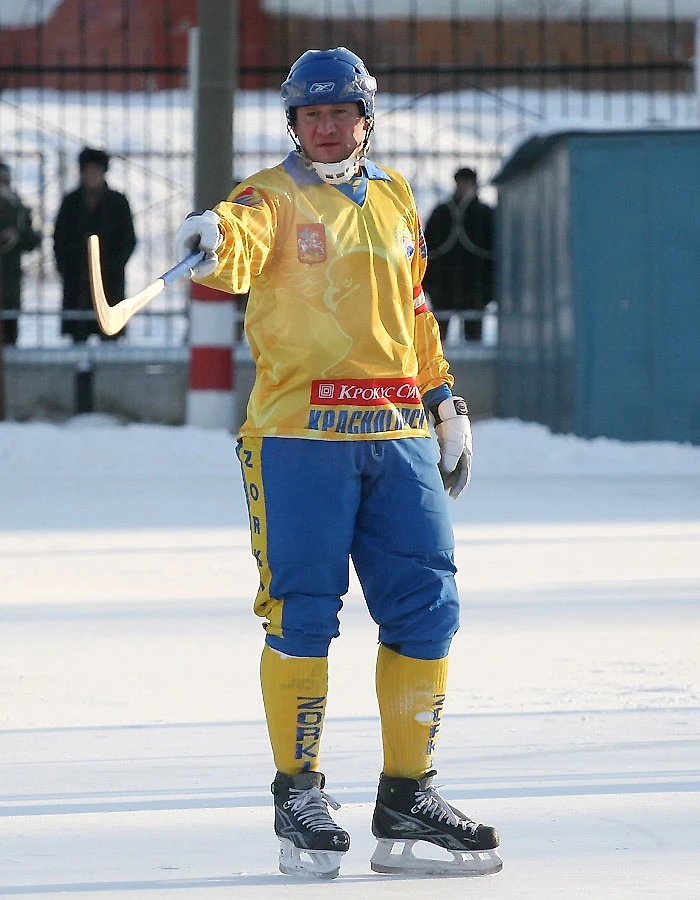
210	395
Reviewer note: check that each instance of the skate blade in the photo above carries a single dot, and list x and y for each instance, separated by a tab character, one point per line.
308	863
464	863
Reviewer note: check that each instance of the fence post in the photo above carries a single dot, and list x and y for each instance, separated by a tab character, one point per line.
210	397
210	402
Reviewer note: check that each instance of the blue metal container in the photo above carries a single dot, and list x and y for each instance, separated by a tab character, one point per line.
598	274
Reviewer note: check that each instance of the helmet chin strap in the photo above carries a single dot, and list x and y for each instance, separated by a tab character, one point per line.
338	172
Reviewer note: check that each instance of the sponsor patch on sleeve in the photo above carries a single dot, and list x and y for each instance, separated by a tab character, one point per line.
248	197
422	246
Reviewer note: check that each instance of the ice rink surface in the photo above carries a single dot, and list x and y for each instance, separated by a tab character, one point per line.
134	755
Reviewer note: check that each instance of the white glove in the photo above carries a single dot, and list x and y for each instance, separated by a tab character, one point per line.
454	434
200	231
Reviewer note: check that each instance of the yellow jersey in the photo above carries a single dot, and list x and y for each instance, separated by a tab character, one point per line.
343	343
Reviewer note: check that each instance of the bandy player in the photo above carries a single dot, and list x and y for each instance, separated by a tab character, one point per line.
339	465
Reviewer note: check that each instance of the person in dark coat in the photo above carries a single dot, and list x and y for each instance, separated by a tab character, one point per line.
93	208
17	236
459	237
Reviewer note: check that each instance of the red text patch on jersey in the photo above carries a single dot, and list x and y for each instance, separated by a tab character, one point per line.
248	197
365	391
311	243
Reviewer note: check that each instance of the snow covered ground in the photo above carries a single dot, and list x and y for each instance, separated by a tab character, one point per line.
134	755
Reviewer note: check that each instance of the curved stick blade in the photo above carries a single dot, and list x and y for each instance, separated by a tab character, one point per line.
113	318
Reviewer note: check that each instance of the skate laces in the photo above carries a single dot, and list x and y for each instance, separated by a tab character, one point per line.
429	802
310	806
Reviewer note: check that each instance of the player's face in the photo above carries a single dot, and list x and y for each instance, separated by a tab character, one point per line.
331	132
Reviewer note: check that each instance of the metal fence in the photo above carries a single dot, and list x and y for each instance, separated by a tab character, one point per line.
461	88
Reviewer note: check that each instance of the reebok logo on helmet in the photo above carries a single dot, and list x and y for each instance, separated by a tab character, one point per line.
322	87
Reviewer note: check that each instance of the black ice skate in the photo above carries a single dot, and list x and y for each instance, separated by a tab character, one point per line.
310	841
408	811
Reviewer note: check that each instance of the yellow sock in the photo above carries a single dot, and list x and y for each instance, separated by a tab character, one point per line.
411	694
294	692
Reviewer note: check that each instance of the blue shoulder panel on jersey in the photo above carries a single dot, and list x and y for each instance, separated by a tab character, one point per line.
294	166
373	171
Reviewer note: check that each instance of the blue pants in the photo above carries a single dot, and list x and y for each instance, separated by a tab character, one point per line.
314	505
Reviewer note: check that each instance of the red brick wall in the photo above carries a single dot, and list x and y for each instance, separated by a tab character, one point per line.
155	32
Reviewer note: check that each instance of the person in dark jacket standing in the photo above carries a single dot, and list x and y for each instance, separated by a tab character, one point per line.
459	236
93	208
17	236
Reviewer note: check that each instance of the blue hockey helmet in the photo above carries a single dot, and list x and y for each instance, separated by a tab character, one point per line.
328	76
